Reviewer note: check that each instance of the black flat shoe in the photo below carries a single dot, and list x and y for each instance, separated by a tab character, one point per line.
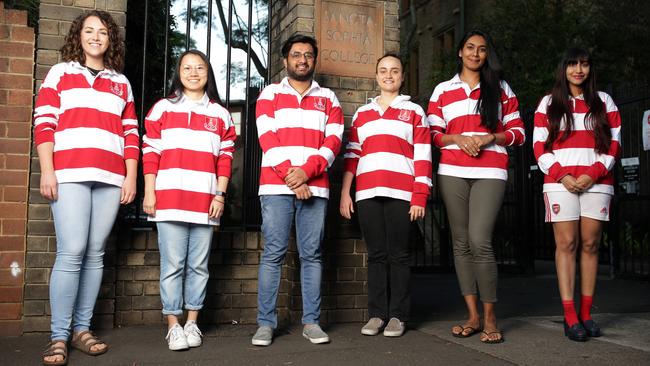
576	332
593	330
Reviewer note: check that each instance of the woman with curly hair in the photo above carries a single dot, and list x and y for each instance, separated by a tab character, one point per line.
86	135
576	143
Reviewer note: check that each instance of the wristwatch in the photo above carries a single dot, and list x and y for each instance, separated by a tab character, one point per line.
220	193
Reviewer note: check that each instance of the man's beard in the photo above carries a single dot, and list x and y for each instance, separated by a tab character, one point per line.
306	77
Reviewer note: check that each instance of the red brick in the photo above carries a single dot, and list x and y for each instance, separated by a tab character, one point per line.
17	162
12	243
17	17
22	34
18	130
14	194
12	178
17	49
21	66
14	113
11	327
8	279
4	95
23	82
20	97
13	146
10	311
13	227
4	63
11	294
13	210
7	258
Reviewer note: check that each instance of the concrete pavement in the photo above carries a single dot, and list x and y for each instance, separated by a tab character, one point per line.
530	317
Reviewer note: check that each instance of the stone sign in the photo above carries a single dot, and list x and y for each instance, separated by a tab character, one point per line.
350	37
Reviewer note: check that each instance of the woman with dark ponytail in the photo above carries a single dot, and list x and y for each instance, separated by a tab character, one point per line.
576	143
473	117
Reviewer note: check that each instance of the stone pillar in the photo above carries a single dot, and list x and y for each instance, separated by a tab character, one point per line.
16	75
54	22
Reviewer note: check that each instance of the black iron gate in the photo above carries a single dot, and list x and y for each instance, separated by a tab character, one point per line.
235	37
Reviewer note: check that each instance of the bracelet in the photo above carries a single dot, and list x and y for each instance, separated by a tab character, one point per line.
220	193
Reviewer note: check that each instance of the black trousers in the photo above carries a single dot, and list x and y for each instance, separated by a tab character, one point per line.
385	225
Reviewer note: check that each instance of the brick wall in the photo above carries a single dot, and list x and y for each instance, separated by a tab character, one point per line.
16	72
54	21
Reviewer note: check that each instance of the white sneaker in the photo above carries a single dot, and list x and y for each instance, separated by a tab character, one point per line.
193	334
176	338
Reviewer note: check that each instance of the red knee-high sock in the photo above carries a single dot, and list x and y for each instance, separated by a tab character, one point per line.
570	312
585	307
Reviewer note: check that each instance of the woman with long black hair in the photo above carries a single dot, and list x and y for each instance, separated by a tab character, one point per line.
576	143
473	117
187	158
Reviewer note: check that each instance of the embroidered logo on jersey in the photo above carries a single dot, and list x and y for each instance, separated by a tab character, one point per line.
603	210
404	115
211	124
116	89
319	103
556	208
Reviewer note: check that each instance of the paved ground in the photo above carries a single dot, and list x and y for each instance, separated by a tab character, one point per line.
530	318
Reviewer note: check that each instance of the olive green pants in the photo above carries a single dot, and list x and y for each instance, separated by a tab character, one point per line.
472	208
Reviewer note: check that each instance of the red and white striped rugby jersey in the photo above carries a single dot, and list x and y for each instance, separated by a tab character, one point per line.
576	154
452	110
390	151
188	144
91	120
297	131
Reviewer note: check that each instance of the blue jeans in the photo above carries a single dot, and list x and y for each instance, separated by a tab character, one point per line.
84	214
277	216
184	248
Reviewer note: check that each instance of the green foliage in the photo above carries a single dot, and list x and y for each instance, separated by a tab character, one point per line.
531	36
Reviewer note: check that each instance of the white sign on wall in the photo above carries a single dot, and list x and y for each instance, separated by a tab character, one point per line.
646	130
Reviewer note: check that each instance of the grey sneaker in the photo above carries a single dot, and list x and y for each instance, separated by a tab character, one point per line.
263	336
395	328
372	327
315	334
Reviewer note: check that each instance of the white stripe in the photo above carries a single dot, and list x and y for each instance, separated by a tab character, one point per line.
388	127
83	137
434	120
46	109
184	138
422	152
540	134
472	172
183	216
461	108
546	161
186	180
88	175
149	150
327	154
130	122
425	180
91	98
299	118
298	155
383	192
575	156
275	189
385	161
509	117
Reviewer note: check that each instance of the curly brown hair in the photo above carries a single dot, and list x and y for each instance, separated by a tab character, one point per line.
72	50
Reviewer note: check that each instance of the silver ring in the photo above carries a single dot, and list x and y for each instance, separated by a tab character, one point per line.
466	145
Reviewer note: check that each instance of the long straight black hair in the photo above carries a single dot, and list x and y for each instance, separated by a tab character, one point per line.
560	107
491	76
177	87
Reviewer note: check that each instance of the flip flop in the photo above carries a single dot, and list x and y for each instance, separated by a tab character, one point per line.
462	333
492	341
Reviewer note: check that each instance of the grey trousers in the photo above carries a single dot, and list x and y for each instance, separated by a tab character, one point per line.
472	208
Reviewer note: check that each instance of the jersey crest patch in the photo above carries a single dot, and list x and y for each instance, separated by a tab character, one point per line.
556	208
319	103
404	115
211	124
116	89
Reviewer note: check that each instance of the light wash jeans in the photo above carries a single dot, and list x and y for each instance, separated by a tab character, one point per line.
184	249
84	214
277	216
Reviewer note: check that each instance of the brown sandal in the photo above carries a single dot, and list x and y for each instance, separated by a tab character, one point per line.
84	341
54	349
489	340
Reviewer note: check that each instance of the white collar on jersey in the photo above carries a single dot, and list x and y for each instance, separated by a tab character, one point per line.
457	80
79	66
204	101
398	99
285	84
